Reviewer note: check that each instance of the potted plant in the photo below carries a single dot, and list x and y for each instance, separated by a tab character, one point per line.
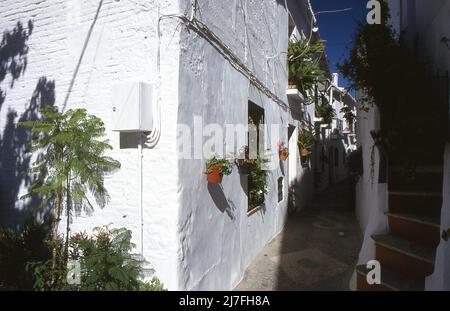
304	63
243	161
217	167
283	151
305	142
354	165
326	112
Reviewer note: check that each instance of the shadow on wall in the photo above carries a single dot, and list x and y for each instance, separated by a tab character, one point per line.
13	54
301	191
14	140
221	201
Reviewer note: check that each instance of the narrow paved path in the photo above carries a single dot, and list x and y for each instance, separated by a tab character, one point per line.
317	250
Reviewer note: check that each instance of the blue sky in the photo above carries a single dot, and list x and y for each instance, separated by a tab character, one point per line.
338	28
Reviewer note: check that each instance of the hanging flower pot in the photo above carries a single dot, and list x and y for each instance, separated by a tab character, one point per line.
304	152
216	168
305	142
284	154
243	161
215	176
283	151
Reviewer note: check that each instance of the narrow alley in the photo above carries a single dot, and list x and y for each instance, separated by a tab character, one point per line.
317	250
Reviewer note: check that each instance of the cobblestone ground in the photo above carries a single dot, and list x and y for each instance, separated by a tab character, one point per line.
317	250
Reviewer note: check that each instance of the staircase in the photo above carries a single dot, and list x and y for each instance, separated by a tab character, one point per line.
407	252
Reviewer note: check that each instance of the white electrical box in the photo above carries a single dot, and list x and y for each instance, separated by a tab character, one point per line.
132	107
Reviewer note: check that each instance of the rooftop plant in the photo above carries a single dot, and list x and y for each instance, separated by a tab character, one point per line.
326	112
349	116
304	63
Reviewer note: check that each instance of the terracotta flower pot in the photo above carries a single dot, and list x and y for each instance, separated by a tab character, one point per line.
215	177
284	155
304	152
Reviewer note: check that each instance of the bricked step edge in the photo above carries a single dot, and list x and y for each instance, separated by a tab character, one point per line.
420	227
390	281
415	202
403	256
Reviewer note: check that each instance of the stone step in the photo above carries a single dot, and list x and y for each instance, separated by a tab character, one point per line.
415	202
390	281
403	256
423	228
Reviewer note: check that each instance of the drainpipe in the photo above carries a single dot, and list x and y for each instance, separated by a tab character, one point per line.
331	99
141	190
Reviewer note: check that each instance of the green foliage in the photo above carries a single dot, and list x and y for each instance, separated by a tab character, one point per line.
154	285
106	261
258	185
446	235
305	140
17	248
73	158
354	164
304	63
224	164
70	163
327	112
391	77
348	114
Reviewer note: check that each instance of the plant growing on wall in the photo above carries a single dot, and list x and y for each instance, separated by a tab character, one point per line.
305	142
70	162
354	164
446	235
326	112
217	167
304	63
349	116
258	185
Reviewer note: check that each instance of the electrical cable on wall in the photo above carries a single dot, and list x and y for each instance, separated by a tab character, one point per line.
202	30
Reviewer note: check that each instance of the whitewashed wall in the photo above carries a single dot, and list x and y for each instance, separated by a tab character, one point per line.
218	239
440	279
87	47
371	197
122	47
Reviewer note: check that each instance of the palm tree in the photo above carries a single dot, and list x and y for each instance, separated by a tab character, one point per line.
71	165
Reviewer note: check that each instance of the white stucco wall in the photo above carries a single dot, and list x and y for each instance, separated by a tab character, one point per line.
371	200
430	22
218	239
188	239
440	279
122	47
